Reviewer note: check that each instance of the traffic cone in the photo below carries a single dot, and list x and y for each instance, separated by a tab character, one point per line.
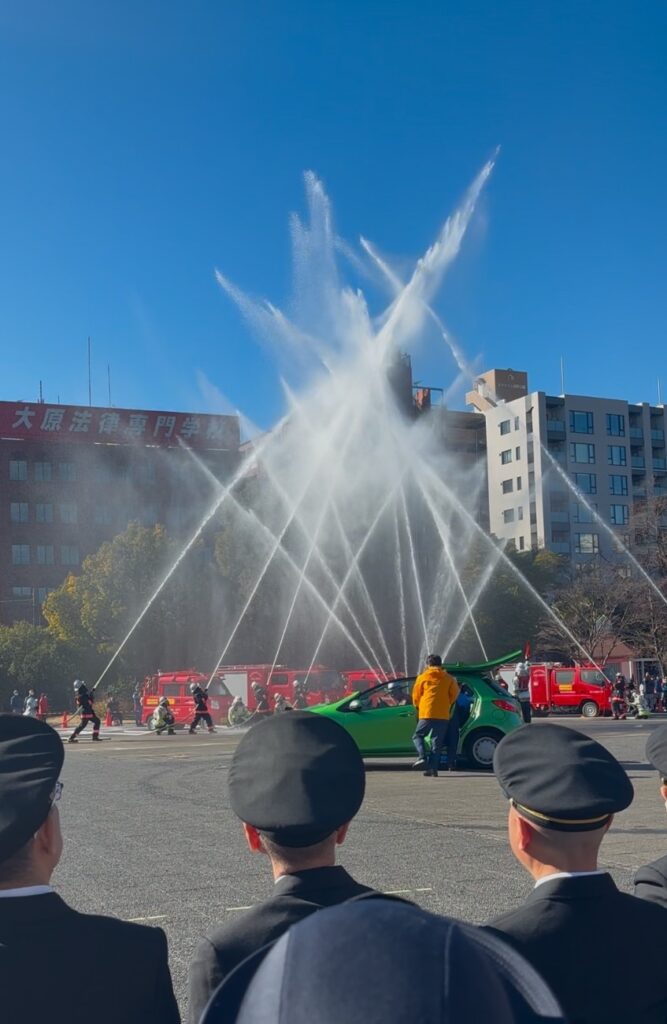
107	718
65	722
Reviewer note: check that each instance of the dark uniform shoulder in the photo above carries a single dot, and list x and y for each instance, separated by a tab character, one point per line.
651	882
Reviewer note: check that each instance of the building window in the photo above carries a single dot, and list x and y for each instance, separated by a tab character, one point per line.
103	516
618	484
518	483
508	515
520	512
20	554
103	474
586	543
44	512
583	514
68	513
18	511
69	554
43	471
521	543
581	422
45	554
23	593
67	471
506	456
508	486
43	593
505	427
586	482
18	469
516	423
582	452
560	537
615	425
616	455
620	515
517	454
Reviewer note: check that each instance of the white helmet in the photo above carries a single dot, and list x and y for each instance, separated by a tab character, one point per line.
193	687
163	700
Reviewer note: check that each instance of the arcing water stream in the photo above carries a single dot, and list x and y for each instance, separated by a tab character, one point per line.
363	522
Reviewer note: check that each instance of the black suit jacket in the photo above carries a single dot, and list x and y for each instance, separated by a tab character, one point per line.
294	897
573	931
57	965
651	882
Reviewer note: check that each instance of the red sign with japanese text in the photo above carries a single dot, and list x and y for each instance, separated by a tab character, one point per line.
36	421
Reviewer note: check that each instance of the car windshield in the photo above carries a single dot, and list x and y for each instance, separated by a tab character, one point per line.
593	677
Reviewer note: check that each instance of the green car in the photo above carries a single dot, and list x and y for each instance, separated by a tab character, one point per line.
382	719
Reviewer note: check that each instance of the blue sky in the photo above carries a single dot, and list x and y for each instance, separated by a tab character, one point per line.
147	142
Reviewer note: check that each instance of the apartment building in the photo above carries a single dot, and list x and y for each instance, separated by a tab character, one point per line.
557	463
71	478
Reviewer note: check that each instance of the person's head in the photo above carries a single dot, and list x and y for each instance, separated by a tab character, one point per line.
31	693
656	754
164	701
465	974
16	693
434	661
31	758
237	699
564	790
296	781
193	687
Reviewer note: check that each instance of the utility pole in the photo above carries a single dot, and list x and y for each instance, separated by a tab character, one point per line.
90	383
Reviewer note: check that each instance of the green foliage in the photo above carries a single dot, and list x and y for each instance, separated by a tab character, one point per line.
31	656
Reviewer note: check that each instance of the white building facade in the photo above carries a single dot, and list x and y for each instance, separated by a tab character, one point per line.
557	463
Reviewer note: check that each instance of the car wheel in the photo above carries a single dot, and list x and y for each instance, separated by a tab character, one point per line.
480	746
589	709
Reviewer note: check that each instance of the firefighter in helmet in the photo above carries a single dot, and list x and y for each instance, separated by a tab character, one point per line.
238	713
163	718
261	700
281	703
200	697
84	702
300	696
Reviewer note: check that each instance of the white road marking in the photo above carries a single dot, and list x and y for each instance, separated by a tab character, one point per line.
155	917
404	892
240	908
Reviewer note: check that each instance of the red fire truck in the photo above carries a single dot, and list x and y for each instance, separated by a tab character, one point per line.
579	689
363	679
176	686
323	685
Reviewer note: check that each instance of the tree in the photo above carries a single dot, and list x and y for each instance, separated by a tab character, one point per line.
31	656
599	608
98	608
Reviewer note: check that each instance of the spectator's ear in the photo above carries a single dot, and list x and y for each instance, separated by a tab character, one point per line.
341	833
253	839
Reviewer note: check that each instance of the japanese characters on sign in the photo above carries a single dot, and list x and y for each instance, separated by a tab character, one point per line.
34	420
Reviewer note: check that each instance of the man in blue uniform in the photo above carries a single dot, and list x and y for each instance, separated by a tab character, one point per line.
564	790
651	879
55	962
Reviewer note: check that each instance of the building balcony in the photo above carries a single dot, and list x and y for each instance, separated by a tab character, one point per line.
560	548
638	462
638	492
560	517
556	428
636	433
659	465
658	437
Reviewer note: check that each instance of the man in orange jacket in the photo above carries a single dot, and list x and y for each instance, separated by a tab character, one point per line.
433	695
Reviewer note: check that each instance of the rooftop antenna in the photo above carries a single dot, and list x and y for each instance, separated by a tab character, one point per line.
562	376
109	382
41	394
659	392
90	386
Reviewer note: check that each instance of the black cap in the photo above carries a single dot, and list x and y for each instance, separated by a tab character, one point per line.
310	975
296	777
561	779
656	750
31	757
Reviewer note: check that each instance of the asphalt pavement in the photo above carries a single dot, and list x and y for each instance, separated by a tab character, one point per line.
150	837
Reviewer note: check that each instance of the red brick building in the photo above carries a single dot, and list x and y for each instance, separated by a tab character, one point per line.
72	477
